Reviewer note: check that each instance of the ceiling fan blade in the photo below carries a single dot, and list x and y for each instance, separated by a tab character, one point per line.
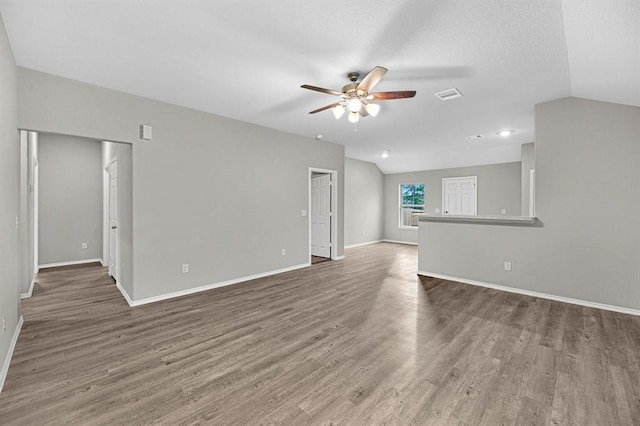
372	79
386	96
322	90
324	108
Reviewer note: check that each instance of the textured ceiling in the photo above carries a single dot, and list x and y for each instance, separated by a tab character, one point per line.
247	59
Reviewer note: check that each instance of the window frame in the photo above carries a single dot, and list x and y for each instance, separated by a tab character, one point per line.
401	205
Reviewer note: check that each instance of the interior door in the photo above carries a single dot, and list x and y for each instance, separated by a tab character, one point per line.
459	196
113	219
321	215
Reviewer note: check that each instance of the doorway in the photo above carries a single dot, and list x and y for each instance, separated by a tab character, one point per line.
460	195
112	170
322	207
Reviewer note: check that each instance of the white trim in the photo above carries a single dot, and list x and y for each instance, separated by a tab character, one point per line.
125	294
36	202
103	263
400	225
363	244
208	286
12	346
411	243
532	192
72	262
29	293
334	209
105	209
586	303
339	257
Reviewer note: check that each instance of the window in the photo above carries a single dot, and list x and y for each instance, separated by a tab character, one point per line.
411	204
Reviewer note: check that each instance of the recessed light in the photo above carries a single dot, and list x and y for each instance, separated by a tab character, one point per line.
505	133
319	136
474	137
385	154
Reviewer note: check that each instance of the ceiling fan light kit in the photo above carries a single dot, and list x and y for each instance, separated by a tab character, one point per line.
338	111
356	96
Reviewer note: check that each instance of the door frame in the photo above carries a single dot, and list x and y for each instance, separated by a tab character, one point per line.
107	223
532	193
475	190
36	215
334	208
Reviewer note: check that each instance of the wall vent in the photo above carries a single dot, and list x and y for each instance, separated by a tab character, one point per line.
445	95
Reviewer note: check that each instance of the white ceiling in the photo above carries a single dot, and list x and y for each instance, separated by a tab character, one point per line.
247	59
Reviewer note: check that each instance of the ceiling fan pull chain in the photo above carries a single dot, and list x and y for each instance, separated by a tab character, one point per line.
355	127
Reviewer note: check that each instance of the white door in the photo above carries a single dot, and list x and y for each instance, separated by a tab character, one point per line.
459	196
321	215
36	228
113	219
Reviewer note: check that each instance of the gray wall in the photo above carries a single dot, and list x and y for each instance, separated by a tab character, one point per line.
528	157
222	195
587	198
123	152
9	199
363	202
498	188
70	199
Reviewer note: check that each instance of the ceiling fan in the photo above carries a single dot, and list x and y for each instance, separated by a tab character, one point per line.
356	97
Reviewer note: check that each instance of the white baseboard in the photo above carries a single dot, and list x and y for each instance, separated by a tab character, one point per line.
363	244
130	302
102	262
400	242
29	293
12	346
72	262
338	258
586	303
206	287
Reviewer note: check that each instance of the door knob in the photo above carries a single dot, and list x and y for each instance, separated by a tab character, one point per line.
114	227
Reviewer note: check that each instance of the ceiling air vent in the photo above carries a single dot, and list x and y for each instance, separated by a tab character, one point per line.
473	137
445	95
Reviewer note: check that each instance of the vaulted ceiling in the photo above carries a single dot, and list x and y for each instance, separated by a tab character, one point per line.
247	59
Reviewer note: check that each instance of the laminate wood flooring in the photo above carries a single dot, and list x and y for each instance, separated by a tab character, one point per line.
361	341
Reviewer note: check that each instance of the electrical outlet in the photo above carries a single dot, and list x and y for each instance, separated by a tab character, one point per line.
284	252
507	266
363	233
437	211
503	211
4	325
84	246
185	268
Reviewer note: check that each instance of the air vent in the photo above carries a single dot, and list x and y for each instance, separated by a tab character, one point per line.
445	95
473	137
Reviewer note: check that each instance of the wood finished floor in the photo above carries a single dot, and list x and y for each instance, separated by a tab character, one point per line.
361	341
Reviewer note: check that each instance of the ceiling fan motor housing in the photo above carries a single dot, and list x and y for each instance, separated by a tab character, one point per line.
349	88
